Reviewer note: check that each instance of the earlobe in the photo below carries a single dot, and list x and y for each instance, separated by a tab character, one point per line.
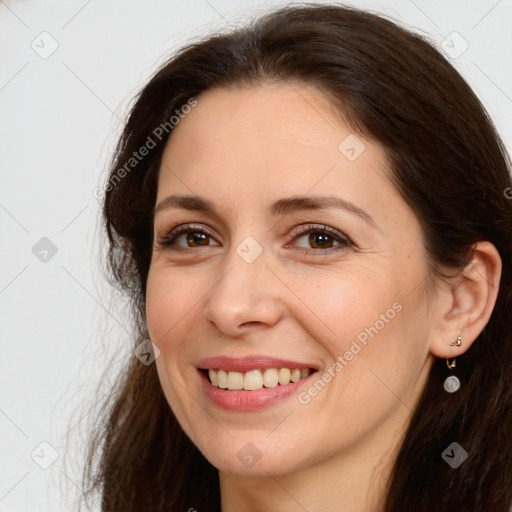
468	302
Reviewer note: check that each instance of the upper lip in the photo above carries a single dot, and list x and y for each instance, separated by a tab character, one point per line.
245	364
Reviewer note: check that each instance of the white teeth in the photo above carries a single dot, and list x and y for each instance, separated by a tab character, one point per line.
295	375
253	380
270	378
284	376
235	380
213	376
222	379
256	379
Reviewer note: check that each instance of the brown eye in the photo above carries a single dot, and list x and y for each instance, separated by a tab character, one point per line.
186	237
196	238
322	239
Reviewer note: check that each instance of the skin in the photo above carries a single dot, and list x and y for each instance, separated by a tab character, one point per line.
243	149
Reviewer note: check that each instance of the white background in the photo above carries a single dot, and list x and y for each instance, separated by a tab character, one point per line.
59	119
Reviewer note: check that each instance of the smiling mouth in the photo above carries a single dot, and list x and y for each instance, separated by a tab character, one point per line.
253	380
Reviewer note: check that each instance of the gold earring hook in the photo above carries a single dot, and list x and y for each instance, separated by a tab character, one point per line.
451	364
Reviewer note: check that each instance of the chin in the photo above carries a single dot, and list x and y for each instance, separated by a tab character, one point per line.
256	458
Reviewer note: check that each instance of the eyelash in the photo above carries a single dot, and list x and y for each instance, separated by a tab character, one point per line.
168	239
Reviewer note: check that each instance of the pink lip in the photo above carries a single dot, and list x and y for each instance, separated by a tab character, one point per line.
244	364
250	400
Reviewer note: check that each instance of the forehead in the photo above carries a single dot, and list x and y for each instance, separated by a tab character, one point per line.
266	129
266	113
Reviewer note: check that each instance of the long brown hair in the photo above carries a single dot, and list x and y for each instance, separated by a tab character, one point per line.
449	165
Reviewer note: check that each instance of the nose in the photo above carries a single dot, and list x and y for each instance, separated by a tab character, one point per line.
245	298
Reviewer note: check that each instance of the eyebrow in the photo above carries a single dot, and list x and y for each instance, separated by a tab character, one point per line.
283	206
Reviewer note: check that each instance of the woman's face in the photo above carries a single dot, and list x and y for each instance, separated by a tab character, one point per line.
297	254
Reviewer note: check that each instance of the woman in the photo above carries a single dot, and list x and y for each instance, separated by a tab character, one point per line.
311	217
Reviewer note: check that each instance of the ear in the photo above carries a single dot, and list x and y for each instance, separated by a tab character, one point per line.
466	301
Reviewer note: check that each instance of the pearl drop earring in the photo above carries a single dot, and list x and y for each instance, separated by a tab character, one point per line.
452	383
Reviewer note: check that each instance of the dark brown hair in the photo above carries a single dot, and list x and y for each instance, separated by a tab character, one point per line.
449	165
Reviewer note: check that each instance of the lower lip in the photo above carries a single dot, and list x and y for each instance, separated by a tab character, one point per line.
249	400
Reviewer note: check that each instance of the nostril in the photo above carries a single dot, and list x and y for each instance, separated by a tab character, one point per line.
247	324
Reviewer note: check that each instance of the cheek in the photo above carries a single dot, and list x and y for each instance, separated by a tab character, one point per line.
167	304
342	306
375	336
369	330
169	313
